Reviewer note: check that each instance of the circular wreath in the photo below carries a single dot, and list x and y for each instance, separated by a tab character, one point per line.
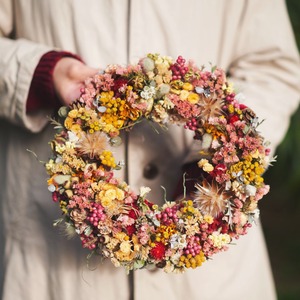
123	226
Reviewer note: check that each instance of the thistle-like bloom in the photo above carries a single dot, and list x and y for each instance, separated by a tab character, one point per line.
210	199
211	107
92	144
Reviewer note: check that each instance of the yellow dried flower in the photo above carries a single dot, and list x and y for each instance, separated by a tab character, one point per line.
193	98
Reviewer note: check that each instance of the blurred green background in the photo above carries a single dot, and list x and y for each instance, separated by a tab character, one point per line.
280	209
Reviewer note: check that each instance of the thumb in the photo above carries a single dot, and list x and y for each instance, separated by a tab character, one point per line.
79	72
83	72
68	78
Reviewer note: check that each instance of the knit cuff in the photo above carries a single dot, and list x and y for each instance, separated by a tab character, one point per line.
41	92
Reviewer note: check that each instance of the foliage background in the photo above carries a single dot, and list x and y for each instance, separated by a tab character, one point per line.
280	210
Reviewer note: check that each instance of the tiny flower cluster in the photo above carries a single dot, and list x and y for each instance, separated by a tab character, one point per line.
123	226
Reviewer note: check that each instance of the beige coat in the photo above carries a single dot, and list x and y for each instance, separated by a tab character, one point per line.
251	39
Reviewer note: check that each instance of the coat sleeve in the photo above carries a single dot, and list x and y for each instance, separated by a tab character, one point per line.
18	60
265	66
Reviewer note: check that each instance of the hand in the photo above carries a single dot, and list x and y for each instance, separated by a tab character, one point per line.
68	77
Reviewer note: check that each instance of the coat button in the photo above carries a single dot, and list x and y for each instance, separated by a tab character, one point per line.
150	171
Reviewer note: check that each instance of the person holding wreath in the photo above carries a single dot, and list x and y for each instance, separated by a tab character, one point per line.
47	50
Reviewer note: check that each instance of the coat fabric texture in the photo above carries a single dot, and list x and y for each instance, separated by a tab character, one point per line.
251	40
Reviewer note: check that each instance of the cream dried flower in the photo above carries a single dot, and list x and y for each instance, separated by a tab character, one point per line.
210	199
78	216
92	144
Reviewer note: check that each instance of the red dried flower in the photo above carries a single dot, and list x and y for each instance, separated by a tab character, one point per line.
243	106
118	84
133	213
55	196
131	229
233	119
219	169
158	251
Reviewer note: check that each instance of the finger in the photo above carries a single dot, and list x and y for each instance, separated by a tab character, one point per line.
72	94
82	72
88	72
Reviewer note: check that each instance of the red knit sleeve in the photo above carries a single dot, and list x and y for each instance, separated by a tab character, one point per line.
41	92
